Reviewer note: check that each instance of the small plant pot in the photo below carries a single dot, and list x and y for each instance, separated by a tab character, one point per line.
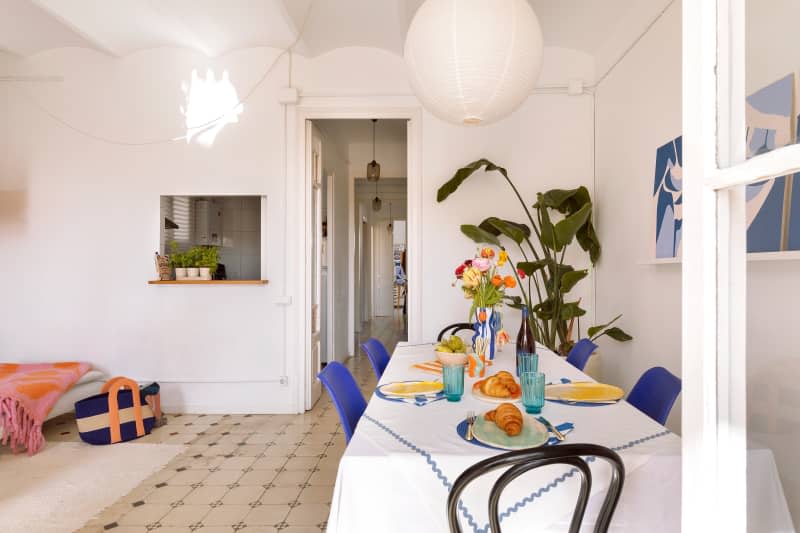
193	272
180	273
205	273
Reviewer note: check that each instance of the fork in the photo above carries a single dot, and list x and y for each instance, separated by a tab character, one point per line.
470	422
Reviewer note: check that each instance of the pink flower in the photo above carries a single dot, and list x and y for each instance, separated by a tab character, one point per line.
481	263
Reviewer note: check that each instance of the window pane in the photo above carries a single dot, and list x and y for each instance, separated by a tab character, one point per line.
772	57
773	389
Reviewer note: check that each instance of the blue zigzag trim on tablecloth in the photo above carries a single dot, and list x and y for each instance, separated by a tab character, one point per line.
520	504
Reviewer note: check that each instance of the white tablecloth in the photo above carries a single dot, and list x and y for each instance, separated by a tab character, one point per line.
398	468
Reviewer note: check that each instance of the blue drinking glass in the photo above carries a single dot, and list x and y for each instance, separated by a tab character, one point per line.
527	362
532	391
453	378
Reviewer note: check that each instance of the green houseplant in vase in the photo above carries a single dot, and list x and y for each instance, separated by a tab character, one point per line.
177	260
208	258
560	217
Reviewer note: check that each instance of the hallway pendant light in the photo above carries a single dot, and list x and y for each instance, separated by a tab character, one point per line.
389	227
373	168
376	203
473	61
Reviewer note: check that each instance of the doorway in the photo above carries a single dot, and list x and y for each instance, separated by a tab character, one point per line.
300	231
356	270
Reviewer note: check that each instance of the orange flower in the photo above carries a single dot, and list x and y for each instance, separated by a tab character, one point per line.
488	253
510	282
497	280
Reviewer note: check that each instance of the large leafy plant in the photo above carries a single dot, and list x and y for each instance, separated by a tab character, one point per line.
558	219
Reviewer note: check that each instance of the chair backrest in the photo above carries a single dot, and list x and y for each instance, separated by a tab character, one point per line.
377	354
522	461
452	329
655	393
346	395
580	353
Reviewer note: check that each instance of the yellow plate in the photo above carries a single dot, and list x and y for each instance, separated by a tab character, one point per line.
412	388
585	391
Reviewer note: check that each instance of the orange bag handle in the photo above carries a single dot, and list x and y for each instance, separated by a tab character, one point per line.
107	384
112	387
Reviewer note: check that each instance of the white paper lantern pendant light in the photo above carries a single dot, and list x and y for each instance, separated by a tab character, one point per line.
473	61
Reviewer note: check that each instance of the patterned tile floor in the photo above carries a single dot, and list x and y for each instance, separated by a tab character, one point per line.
250	473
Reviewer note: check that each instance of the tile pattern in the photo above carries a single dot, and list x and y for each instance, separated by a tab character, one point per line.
249	473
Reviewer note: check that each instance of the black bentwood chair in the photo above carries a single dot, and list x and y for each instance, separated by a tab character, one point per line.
522	461
452	329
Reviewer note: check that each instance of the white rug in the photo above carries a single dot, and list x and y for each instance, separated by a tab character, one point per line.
68	483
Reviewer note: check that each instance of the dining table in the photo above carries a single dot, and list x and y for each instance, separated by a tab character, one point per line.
404	457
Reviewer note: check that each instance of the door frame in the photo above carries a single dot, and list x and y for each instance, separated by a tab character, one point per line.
298	219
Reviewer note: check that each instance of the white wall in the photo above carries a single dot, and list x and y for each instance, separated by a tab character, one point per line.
79	237
639	109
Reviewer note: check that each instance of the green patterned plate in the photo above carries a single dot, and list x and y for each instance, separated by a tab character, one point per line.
533	434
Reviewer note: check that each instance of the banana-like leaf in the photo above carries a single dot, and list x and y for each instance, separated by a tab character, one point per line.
544	310
529	267
462	174
513	230
618	335
548	233
479	235
596	329
569	279
566	229
565	200
587	239
570	310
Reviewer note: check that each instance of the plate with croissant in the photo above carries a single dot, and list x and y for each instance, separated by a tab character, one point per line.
509	428
498	388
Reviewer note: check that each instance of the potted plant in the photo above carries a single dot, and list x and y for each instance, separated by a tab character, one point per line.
559	218
207	259
191	259
178	261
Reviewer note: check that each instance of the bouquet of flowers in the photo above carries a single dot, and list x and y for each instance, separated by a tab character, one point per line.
482	282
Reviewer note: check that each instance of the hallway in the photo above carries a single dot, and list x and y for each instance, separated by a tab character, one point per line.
388	329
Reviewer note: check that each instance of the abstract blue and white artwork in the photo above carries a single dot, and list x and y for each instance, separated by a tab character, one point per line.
667	197
769	126
770	203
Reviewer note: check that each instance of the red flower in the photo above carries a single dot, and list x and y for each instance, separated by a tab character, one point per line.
468	263
521	273
460	270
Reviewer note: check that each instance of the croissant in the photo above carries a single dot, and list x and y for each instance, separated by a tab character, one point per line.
493	386
507	417
508	381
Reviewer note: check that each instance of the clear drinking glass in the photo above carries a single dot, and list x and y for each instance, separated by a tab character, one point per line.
453	378
532	391
527	362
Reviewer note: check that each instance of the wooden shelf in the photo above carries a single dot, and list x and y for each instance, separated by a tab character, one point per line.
209	282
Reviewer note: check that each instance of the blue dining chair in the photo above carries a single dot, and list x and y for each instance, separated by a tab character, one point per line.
377	354
346	395
655	393
580	353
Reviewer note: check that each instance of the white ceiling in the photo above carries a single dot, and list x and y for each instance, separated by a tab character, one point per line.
215	27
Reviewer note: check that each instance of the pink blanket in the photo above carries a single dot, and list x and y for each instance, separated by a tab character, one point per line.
28	393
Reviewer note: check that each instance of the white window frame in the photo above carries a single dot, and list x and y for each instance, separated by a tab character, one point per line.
714	431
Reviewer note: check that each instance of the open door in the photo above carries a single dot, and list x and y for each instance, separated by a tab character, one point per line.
314	166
